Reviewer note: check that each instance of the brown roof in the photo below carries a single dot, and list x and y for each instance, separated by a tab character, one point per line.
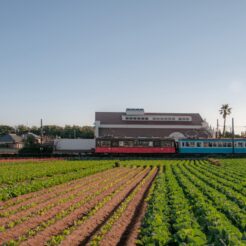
115	118
152	132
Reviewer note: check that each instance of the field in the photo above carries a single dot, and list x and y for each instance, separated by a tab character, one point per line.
136	202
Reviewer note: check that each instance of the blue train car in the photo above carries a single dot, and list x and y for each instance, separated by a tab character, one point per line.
212	146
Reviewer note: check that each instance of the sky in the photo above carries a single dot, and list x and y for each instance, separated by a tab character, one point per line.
63	60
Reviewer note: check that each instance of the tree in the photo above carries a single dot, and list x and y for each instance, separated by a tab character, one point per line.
225	110
87	132
4	129
52	130
22	129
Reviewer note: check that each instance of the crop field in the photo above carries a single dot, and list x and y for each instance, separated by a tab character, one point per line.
136	202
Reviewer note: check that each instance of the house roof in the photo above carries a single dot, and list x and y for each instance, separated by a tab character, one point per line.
32	135
10	138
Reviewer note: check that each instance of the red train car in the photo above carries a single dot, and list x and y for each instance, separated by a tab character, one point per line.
135	146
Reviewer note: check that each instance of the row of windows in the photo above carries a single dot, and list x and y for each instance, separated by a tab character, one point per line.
172	118
134	143
158	118
136	118
213	144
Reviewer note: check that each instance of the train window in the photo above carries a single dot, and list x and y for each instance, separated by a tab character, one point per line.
150	144
220	144
210	144
166	144
187	144
143	143
205	144
192	144
115	143
229	145
157	144
198	144
239	144
128	143
121	143
214	144
104	143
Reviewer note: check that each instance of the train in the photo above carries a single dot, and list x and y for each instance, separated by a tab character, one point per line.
150	146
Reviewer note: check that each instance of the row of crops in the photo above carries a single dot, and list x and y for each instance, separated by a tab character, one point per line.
19	178
196	203
136	202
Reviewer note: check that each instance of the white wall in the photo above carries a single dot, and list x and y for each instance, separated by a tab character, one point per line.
74	144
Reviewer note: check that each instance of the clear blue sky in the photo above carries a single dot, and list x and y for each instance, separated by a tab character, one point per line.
64	60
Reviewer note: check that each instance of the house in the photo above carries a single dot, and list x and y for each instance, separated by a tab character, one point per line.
36	138
10	144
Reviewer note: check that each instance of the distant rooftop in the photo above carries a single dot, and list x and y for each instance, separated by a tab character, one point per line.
10	138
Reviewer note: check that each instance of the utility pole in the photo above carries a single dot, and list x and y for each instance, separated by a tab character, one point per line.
217	129
41	136
233	137
41	131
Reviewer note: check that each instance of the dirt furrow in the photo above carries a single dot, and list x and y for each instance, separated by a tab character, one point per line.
59	199
23	228
125	230
36	197
69	220
83	232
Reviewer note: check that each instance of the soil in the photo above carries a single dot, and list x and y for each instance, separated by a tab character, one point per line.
64	223
46	199
19	201
24	227
83	232
125	230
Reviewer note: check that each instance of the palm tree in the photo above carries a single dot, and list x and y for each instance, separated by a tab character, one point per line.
225	110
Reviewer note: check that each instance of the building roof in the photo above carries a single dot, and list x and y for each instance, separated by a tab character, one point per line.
10	138
117	118
154	132
30	134
137	123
